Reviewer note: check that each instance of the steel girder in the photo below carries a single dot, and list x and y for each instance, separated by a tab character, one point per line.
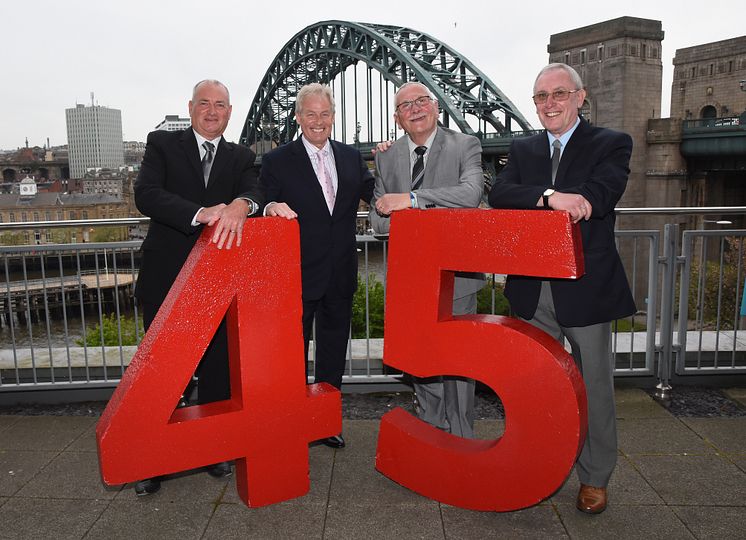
320	52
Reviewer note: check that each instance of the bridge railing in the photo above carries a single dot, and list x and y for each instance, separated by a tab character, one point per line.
68	319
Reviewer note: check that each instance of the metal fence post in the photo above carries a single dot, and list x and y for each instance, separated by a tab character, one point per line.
668	265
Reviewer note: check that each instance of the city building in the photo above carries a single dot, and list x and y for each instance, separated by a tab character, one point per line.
172	122
30	204
94	138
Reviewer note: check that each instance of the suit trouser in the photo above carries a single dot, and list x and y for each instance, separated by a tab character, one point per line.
332	314
591	349
447	402
213	371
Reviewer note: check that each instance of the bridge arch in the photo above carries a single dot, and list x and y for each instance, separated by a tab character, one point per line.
330	51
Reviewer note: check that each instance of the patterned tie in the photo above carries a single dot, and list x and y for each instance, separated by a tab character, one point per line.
207	160
326	181
557	145
418	170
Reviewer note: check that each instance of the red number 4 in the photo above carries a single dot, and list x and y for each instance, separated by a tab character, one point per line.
140	435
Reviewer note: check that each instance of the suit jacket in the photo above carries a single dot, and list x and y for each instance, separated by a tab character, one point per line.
170	189
328	246
453	179
595	164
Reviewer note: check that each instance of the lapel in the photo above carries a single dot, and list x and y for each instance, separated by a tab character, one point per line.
434	153
222	157
402	165
308	175
573	149
343	186
189	146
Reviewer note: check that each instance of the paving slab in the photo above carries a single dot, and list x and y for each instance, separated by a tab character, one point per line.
17	468
154	519
287	520
70	475
44	433
7	420
736	394
727	435
361	437
320	463
535	522
626	486
740	462
194	486
694	480
382	520
636	403
713	522
659	436
489	429
623	521
86	441
61	519
356	481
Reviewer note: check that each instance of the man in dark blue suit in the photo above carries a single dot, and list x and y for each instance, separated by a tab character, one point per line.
320	183
189	179
582	170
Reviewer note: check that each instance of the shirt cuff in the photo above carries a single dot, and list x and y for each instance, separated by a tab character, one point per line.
253	207
196	223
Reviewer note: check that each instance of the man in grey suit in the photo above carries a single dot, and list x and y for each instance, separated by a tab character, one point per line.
429	168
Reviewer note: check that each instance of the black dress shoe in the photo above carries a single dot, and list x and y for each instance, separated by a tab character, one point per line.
335	441
147	486
220	470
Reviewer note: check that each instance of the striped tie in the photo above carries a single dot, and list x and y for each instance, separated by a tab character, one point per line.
418	170
207	160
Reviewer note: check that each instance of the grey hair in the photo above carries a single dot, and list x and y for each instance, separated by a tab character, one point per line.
213	82
413	83
313	89
576	80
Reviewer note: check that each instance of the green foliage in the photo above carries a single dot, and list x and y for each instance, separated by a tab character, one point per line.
111	327
707	288
484	298
109	234
375	303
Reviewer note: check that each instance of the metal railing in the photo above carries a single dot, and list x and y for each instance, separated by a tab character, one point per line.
68	317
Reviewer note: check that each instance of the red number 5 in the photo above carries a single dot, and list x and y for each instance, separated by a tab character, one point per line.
541	389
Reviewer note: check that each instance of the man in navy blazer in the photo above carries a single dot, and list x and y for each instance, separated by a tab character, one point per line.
189	179
582	170
320	183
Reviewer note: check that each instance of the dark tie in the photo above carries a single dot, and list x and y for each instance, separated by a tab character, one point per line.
557	145
418	170
207	160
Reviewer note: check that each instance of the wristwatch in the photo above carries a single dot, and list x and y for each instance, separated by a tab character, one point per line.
545	197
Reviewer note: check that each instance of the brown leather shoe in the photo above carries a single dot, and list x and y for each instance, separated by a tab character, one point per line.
591	500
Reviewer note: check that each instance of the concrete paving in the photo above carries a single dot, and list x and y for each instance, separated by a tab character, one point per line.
677	477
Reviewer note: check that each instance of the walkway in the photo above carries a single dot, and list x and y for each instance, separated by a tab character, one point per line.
678	477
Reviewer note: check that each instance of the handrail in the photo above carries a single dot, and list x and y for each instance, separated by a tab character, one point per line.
113	222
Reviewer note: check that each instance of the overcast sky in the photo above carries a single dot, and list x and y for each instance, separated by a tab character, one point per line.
143	57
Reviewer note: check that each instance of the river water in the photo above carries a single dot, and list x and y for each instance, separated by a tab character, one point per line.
57	332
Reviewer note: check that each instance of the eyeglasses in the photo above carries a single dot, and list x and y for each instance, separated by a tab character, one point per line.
421	101
557	95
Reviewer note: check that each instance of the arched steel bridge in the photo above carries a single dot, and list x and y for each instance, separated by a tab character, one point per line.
331	52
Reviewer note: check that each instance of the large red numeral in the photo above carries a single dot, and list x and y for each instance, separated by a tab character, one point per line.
258	285
536	379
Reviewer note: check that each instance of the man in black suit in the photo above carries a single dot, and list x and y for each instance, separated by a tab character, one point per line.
189	179
582	170
320	182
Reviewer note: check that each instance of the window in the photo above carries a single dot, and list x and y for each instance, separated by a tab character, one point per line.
600	52
712	69
643	51
567	58
24	216
12	217
582	57
694	73
633	50
36	216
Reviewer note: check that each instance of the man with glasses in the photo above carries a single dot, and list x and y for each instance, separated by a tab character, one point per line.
580	169
432	167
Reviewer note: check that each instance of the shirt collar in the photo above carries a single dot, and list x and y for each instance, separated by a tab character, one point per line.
313	150
428	142
201	139
565	137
